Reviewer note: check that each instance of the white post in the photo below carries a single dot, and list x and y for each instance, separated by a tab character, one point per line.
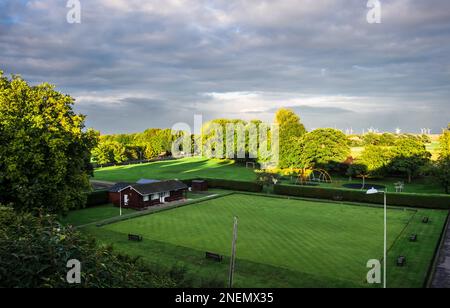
233	253
120	204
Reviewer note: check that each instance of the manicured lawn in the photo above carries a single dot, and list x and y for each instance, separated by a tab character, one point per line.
281	243
93	214
186	168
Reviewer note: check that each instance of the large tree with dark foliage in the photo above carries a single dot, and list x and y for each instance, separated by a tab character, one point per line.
44	148
325	147
410	155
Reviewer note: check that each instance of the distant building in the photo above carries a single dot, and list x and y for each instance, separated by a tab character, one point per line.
140	196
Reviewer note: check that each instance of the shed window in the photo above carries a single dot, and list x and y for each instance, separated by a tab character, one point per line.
155	197
146	198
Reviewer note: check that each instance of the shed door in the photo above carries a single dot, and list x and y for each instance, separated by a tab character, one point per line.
125	199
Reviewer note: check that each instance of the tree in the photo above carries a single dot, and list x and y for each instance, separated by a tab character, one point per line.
34	251
102	154
324	147
358	170
442	170
290	128
444	141
371	139
376	159
410	155
44	149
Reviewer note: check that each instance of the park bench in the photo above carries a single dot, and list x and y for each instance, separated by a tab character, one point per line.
213	256
425	220
401	261
413	238
134	238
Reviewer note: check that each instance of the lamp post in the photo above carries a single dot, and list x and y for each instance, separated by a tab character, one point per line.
374	191
233	253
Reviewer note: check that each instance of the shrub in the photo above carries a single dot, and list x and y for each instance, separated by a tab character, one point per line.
394	199
34	252
229	184
235	185
98	197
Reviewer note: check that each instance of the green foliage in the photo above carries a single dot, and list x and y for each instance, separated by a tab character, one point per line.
98	197
376	159
324	147
358	170
235	185
442	171
34	252
442	167
444	143
44	148
266	178
290	129
394	199
410	155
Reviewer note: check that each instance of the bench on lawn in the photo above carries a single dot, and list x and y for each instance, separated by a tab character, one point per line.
401	261
134	238
425	220
213	256
413	238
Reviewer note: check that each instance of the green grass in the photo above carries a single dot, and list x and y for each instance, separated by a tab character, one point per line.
92	214
281	243
419	186
433	148
186	168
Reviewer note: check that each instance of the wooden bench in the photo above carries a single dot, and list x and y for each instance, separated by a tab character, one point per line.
425	220
135	238
213	256
413	238
401	261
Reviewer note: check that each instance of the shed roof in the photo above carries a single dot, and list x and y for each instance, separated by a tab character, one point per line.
158	187
118	186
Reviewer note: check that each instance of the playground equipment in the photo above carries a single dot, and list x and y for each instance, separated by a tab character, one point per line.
308	176
399	187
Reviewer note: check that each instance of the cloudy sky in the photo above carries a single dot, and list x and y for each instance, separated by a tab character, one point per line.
134	64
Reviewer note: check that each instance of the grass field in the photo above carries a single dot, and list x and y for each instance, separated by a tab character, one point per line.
281	243
93	214
186	168
419	186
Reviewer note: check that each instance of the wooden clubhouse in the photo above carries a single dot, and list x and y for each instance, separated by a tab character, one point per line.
140	196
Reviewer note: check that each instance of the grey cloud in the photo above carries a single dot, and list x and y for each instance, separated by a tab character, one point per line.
172	52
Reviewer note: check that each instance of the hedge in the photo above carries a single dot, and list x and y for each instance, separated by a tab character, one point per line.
394	199
229	184
98	197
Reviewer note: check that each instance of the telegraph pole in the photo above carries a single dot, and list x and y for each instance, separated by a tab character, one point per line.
233	253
